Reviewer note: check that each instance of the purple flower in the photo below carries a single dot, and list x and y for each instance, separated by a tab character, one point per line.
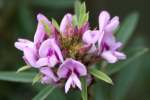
108	46
72	70
49	54
29	50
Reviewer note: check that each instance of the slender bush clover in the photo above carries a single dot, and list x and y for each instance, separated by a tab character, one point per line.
65	55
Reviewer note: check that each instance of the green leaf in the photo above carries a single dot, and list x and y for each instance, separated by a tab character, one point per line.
36	78
125	79
101	75
137	55
77	8
25	77
23	68
127	27
54	22
42	95
75	21
84	92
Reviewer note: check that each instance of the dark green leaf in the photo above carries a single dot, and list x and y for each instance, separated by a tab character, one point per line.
17	77
127	27
101	75
84	91
42	95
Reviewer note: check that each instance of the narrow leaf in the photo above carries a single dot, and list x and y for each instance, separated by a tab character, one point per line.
101	75
77	8
137	55
54	22
25	77
36	78
84	89
23	68
42	95
127	27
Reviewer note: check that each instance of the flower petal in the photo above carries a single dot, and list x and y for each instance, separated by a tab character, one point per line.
120	55
108	55
22	43
42	62
90	37
30	56
66	24
49	73
52	61
104	18
71	65
113	24
76	81
47	45
40	31
68	84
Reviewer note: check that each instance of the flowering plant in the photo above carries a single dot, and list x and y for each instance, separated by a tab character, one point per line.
66	54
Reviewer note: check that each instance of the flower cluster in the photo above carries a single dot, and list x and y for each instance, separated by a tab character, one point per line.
62	53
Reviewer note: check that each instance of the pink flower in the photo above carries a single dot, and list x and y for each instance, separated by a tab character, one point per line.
29	49
49	54
107	44
72	70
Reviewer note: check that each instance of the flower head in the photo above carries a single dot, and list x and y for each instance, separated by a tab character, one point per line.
64	53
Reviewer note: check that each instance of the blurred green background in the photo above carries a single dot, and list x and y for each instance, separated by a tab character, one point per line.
18	19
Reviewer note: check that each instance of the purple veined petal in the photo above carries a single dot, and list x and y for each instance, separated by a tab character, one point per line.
90	37
49	73
57	50
71	65
22	43
47	45
40	31
30	56
120	55
68	84
109	57
66	23
113	25
104	18
76	81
